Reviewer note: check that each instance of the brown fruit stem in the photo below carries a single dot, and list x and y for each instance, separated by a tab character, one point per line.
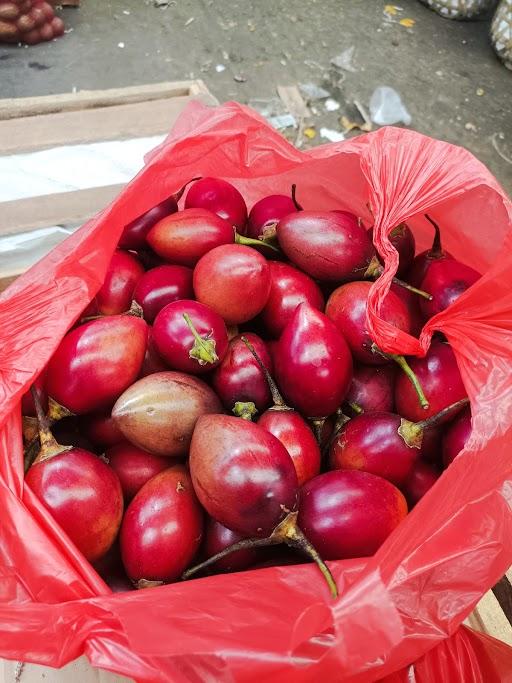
246	410
286	532
135	310
29	427
439	417
406	368
278	400
178	195
318	425
250	242
294	198
269	234
436	250
375	270
141	584
49	446
203	349
56	412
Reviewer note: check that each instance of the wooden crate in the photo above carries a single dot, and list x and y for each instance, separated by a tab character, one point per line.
35	123
493	614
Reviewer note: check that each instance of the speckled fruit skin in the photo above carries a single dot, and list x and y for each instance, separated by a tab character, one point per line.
239	378
96	362
162	528
456	435
159	412
134	466
312	363
242	474
289	287
116	293
218	537
160	286
440	378
296	435
221	197
346	307
186	236
84	497
347	514
371	442
330	246
234	280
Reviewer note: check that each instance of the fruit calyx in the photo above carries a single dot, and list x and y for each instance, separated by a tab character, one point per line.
203	349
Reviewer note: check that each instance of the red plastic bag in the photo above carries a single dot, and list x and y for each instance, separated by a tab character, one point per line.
406	603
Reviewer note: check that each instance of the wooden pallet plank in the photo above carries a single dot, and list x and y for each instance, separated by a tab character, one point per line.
86	99
489	618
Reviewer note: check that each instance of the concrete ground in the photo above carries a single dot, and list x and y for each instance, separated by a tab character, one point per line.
445	71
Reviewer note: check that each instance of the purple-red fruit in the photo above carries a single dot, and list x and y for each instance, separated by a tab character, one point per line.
160	286
134	466
312	363
239	378
152	362
402	238
159	412
446	280
295	434
242	475
221	197
84	497
372	388
234	280
348	514
162	528
190	336
327	245
96	362
186	236
346	307
289	287
440	379
116	294
422	477
217	538
101	430
266	214
456	435
378	443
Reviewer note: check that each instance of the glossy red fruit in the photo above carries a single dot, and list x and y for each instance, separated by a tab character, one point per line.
217	538
446	280
27	402
116	293
190	336
221	197
239	378
430	450
425	259
153	362
380	443
402	238
456	435
242	474
83	495
295	434
346	307
162	528
349	514
372	388
421	479
188	235
440	378
96	362
134	466
234	280
101	430
266	214
289	287
312	363
327	245
159	412
160	286
135	233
